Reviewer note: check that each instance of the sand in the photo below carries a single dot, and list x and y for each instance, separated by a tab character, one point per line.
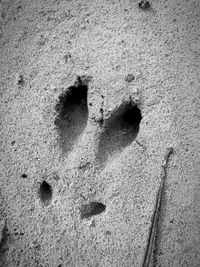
93	93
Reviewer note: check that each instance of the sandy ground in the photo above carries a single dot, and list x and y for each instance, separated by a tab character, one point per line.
92	95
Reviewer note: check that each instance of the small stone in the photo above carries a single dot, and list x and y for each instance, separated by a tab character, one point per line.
135	90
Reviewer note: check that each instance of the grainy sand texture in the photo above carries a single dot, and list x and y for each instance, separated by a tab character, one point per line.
93	95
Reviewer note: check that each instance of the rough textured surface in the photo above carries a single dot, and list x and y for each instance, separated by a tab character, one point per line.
126	57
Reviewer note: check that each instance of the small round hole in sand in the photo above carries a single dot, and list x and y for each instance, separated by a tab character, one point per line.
144	4
45	192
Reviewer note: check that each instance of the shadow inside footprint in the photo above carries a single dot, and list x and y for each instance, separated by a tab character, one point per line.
119	131
72	114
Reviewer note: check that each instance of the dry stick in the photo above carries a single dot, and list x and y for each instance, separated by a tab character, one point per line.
153	229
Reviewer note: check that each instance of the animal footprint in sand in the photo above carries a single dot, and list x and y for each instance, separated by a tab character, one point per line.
118	131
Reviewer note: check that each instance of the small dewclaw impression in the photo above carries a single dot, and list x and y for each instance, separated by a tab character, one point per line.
45	193
91	209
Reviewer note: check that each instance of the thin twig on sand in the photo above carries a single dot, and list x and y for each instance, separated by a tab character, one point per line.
153	229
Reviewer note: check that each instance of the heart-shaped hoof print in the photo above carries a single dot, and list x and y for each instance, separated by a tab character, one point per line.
72	113
119	131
